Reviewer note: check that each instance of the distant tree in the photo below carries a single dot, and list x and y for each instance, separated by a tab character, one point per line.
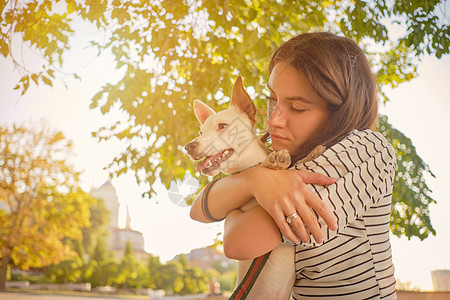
94	236
40	201
69	270
176	276
154	266
172	52
195	281
77	246
192	280
100	252
221	268
132	273
102	268
102	272
66	271
227	280
88	271
92	246
170	277
182	259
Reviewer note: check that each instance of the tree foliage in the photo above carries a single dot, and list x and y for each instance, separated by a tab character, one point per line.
40	201
99	269
411	196
69	270
41	29
178	277
132	272
94	236
172	52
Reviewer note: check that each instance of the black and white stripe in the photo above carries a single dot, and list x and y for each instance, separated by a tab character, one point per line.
354	262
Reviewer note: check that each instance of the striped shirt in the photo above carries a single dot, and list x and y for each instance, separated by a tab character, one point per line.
355	262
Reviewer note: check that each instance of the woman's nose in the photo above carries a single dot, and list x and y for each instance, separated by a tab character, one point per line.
276	117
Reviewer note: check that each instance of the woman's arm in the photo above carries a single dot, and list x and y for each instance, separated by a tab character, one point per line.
285	192
226	195
365	166
249	234
275	190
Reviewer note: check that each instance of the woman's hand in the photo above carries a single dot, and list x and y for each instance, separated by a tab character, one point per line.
285	192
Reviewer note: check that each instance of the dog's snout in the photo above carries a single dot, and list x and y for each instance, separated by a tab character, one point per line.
190	147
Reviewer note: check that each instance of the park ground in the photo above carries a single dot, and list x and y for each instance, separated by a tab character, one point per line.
49	295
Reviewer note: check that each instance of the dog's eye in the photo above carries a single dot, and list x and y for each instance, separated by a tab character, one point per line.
222	125
200	133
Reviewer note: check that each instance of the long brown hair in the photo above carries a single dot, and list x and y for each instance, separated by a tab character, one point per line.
338	71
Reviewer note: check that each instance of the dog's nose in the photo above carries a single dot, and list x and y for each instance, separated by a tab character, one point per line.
190	147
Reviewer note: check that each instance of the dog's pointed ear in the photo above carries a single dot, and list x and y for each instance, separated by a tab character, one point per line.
202	111
242	100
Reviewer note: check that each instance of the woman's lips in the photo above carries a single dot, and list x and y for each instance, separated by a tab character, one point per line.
277	137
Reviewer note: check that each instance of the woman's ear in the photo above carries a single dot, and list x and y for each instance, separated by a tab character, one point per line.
242	100
202	111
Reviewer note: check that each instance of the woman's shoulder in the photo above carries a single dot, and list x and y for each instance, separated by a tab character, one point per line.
365	137
366	143
358	147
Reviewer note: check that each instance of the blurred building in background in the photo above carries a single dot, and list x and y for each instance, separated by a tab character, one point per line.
441	280
119	236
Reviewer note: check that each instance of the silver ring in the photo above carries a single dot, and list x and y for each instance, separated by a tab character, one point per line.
291	217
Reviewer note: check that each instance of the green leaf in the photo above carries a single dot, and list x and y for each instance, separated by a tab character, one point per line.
71	6
4	47
35	78
47	81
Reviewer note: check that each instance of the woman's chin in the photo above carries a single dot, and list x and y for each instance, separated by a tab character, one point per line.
279	147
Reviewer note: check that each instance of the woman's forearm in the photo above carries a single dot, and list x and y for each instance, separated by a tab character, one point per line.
226	195
249	234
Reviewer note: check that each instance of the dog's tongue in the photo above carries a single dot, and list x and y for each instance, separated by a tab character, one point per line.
202	165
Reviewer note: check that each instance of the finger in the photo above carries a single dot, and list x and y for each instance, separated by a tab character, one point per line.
300	229
280	219
315	178
299	196
320	207
310	221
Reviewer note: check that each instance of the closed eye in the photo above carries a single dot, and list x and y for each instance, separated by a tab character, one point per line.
297	110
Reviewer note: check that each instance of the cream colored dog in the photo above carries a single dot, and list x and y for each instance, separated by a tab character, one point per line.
227	144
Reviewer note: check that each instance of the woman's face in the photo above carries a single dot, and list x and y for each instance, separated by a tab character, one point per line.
295	111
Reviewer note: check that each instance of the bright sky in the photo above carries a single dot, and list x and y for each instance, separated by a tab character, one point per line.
420	109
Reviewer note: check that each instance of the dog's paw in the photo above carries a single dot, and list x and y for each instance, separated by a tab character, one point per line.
283	159
277	160
315	153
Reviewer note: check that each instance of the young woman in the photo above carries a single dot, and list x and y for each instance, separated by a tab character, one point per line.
334	209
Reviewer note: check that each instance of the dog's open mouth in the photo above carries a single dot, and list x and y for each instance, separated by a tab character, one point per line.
214	161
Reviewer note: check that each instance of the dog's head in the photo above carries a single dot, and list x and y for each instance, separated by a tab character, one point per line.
224	136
